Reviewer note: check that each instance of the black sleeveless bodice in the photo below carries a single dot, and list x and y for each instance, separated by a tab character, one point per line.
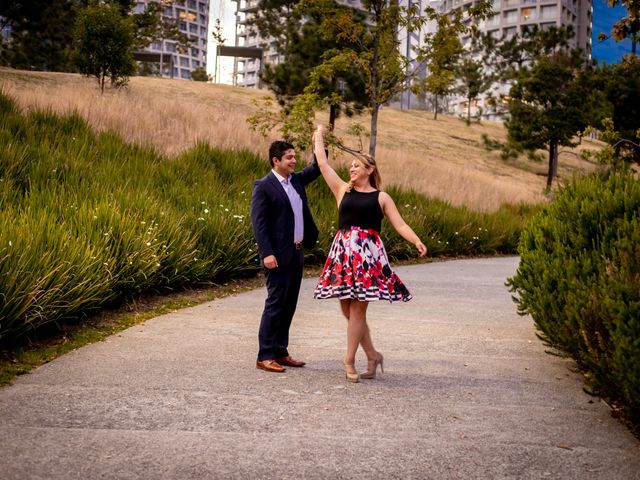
358	209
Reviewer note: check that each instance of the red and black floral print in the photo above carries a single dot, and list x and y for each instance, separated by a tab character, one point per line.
357	267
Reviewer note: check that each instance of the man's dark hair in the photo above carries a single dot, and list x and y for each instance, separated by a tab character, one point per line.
277	150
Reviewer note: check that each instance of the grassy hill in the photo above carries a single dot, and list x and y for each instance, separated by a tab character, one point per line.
444	159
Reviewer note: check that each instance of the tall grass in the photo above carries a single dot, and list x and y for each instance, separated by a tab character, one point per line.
443	159
87	220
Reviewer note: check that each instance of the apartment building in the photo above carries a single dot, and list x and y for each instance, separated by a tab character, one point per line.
193	17
515	16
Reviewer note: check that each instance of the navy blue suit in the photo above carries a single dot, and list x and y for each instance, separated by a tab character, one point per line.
273	223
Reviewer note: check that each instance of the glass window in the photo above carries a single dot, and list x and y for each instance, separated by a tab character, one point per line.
184	61
548	11
493	21
528	14
510	32
510	16
193	28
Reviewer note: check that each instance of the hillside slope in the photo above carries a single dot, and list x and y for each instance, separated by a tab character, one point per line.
443	158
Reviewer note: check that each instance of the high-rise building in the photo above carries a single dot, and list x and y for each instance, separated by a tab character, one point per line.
513	17
193	20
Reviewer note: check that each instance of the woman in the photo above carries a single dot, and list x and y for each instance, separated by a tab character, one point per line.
357	270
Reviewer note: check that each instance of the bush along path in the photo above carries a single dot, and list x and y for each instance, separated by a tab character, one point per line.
87	221
579	278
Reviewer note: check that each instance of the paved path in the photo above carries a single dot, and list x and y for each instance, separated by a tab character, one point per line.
468	393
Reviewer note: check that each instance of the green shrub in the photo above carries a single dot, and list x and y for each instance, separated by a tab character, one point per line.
87	220
579	278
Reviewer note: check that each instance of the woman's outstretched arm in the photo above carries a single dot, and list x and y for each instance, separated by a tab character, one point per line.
335	183
391	212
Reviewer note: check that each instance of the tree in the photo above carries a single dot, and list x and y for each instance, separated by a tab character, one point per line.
506	57
152	25
105	41
621	86
297	33
441	50
200	75
369	50
471	75
41	33
472	81
440	53
549	105
629	26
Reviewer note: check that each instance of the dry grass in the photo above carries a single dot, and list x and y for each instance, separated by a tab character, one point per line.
443	158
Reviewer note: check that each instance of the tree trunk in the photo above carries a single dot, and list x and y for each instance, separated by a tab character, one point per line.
435	113
333	114
374	131
553	160
468	111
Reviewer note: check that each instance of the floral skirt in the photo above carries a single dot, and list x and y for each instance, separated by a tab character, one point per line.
357	267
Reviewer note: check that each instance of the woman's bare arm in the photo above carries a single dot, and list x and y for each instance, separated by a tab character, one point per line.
335	183
393	215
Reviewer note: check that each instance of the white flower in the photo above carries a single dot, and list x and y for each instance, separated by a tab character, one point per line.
206	210
148	244
10	243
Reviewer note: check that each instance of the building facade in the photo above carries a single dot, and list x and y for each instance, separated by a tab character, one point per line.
193	20
511	17
514	17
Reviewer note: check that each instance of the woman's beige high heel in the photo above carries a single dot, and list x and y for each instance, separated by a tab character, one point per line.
371	370
351	377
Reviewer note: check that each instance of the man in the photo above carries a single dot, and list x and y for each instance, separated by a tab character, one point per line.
283	225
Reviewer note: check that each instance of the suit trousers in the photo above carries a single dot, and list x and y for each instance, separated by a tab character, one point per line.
283	287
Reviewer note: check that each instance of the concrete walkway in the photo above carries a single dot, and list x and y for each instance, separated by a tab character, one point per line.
468	393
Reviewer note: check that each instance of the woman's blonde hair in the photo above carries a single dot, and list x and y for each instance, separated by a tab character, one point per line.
374	177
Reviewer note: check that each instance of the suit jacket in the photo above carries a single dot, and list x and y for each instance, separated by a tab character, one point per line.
272	216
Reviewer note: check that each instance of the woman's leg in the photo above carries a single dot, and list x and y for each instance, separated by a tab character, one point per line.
357	332
345	306
365	341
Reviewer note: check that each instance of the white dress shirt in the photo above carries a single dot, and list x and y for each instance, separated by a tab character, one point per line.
296	206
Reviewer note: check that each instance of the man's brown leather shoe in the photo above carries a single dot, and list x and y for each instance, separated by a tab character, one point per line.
290	362
270	365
